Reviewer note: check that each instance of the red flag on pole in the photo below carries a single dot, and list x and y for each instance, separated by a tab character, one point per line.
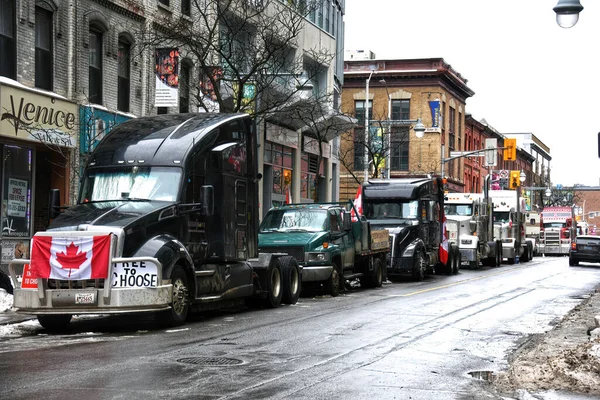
444	245
357	205
288	195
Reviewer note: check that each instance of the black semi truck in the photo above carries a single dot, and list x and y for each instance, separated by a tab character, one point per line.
412	210
176	199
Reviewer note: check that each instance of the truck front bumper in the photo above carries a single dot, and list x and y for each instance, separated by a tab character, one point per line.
316	273
64	301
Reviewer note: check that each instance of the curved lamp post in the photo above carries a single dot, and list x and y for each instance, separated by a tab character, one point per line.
567	12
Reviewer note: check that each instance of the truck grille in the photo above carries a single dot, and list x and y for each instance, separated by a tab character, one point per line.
85	284
552	238
296	252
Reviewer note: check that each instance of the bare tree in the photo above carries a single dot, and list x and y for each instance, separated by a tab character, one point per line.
246	51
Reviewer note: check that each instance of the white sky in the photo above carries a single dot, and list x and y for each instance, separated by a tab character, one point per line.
528	74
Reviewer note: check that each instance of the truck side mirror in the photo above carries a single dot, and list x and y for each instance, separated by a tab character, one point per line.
347	221
207	199
54	203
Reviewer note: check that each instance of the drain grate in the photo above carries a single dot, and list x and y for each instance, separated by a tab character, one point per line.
210	361
482	375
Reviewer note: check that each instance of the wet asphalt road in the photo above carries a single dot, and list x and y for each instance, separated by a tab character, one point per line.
406	340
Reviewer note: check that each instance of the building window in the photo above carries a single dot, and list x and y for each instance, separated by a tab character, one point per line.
460	132
164	2
401	109
43	49
185	7
124	69
310	170
399	151
184	88
359	133
451	132
95	74
281	158
162	110
8	50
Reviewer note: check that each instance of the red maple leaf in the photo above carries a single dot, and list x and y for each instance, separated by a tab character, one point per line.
71	260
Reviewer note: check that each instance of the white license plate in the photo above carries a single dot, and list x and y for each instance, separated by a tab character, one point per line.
85	298
136	274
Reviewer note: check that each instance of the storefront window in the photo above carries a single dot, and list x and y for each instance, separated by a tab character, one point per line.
16	201
309	176
281	159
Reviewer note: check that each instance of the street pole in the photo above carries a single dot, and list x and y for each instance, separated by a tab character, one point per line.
388	159
366	150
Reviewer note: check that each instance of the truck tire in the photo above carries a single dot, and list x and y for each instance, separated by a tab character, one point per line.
274	285
333	285
5	283
457	259
180	304
498	257
54	322
418	270
528	253
373	278
291	280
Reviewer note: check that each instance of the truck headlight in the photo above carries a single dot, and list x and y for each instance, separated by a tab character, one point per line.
318	257
466	241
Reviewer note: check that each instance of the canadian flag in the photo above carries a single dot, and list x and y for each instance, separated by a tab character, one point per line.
70	258
288	196
357	205
444	244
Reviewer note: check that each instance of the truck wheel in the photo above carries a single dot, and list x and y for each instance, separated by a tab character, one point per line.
290	275
418	271
457	260
527	253
5	283
274	286
180	304
377	276
54	323
335	281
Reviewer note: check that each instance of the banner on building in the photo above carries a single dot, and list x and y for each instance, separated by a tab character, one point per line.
434	106
167	77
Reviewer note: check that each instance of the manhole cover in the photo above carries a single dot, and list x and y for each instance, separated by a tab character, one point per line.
210	361
482	375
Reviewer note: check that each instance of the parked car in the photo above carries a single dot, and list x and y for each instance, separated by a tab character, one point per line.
584	248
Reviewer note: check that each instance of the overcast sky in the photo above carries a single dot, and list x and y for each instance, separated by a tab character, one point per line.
528	74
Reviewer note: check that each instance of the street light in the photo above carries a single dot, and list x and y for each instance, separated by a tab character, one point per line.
567	12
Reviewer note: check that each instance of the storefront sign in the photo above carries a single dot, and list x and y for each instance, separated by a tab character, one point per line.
33	115
280	135
17	197
95	124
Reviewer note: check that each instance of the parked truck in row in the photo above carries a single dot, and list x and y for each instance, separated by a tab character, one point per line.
166	222
509	225
412	211
557	230
471	228
330	247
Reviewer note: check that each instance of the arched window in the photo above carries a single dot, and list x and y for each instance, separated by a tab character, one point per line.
124	86
8	48
95	64
184	86
44	59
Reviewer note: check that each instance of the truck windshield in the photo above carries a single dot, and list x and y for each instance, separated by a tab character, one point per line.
458	209
137	183
394	209
501	216
310	220
555	225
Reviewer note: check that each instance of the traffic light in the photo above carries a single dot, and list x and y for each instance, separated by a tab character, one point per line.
510	149
514	179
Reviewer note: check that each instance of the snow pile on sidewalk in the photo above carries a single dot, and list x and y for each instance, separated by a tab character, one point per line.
6	301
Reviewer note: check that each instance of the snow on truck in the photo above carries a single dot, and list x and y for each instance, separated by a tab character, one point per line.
328	244
470	227
166	222
556	230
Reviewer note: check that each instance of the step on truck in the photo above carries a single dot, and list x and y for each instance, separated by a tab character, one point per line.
166	221
331	247
471	228
412	211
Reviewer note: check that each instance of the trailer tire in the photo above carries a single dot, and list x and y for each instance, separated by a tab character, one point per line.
274	285
334	283
291	279
54	322
418	270
180	303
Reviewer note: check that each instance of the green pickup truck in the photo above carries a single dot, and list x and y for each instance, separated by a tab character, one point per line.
329	243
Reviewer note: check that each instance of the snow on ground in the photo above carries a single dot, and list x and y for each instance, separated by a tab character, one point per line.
20	329
6	301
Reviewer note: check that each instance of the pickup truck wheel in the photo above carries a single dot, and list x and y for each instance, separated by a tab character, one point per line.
418	271
274	289
377	277
180	304
334	283
290	275
54	323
